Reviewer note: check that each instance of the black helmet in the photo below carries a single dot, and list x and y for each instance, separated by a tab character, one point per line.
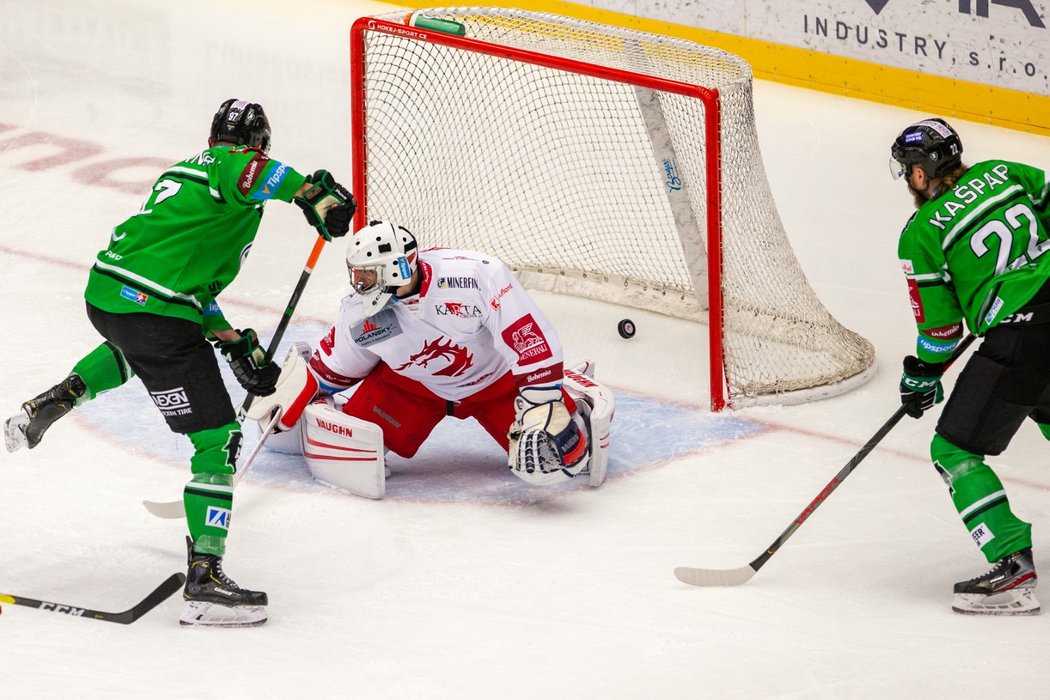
931	143
242	123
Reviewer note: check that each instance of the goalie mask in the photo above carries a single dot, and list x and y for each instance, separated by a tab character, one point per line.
241	123
381	258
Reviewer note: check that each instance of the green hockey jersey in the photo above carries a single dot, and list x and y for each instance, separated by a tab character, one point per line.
189	239
976	253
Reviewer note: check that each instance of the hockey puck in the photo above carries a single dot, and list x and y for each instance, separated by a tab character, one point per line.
626	328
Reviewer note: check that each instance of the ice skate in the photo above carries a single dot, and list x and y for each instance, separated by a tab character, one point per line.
213	599
1008	589
26	428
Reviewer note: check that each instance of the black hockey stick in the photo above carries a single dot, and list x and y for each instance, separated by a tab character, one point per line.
158	596
173	509
743	574
278	334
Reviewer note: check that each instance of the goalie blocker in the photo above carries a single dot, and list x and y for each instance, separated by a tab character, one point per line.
348	453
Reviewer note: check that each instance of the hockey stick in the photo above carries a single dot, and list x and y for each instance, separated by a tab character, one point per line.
158	596
176	509
278	334
743	574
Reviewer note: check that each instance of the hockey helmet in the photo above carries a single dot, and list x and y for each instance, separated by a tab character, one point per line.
931	143
380	258
242	123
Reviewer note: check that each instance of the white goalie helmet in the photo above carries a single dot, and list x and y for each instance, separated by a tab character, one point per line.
380	258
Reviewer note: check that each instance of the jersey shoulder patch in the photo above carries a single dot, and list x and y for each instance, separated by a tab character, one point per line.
375	329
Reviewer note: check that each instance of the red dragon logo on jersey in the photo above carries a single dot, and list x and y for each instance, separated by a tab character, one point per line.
459	360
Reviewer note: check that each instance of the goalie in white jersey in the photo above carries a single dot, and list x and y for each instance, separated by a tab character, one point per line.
431	334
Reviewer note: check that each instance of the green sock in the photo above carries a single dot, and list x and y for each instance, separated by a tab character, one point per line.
981	501
102	369
208	498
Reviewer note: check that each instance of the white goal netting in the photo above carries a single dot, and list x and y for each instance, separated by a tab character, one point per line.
578	153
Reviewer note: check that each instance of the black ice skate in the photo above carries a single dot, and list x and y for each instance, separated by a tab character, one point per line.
1008	589
25	428
212	598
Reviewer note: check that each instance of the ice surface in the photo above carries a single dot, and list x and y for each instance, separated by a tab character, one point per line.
465	583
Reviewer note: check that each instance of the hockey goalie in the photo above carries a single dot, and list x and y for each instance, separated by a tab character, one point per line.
429	334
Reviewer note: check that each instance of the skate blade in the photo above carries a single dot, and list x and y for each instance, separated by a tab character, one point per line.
14	432
1020	601
198	614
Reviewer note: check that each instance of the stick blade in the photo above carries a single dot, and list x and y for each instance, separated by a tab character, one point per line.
161	593
714	577
172	510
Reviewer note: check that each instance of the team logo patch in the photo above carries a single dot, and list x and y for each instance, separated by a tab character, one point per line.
277	175
382	326
916	301
250	175
458	309
172	402
134	295
996	307
495	302
217	517
457	283
525	336
458	359
945	332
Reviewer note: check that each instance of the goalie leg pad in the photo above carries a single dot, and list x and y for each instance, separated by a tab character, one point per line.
596	405
343	451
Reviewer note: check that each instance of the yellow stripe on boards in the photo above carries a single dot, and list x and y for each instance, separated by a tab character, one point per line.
838	75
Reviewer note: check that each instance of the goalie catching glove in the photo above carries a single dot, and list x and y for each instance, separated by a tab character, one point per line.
327	205
247	359
546	445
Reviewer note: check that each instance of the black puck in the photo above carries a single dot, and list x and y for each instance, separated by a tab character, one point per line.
626	328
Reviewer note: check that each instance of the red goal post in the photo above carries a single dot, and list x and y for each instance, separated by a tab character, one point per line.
596	161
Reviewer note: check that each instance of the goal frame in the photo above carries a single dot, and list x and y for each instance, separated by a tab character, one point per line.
719	386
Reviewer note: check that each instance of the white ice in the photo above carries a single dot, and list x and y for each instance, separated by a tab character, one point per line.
463	583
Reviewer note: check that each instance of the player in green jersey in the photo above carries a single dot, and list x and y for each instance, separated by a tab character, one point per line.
152	295
974	253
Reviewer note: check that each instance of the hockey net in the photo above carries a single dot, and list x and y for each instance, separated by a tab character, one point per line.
597	161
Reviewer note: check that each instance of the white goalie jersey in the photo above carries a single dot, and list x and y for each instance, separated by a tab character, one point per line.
470	324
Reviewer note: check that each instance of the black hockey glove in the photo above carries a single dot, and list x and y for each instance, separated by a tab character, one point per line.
248	361
327	205
921	385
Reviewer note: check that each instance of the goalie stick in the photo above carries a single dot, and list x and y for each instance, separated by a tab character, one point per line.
158	596
743	574
176	509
